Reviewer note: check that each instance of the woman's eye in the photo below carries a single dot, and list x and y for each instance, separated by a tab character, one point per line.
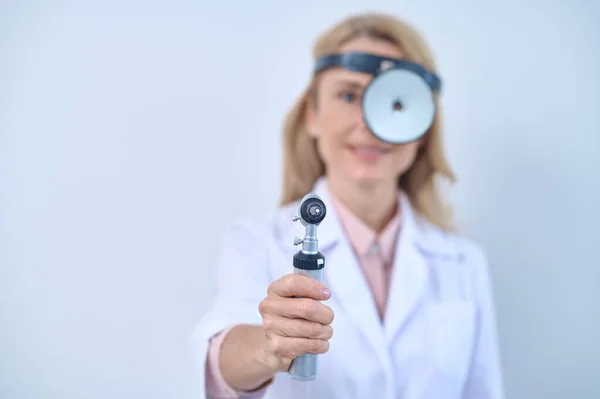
348	97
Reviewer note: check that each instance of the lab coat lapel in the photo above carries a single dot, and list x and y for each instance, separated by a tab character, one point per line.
344	276
409	276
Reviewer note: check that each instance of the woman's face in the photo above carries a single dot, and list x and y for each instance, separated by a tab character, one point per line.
345	144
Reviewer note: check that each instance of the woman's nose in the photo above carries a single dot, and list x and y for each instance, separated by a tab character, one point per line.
363	129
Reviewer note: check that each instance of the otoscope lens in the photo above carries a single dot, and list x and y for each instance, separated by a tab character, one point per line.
312	210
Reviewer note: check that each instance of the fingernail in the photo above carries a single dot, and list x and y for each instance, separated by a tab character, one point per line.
326	293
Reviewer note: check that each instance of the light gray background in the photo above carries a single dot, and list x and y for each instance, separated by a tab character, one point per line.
131	131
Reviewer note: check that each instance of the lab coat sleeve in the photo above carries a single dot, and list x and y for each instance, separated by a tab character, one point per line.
485	379
242	281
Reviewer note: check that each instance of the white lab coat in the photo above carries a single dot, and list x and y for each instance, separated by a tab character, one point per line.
438	339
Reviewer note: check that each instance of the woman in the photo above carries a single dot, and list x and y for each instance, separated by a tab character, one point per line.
409	300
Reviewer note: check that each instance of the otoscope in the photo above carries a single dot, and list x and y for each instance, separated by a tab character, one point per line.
308	262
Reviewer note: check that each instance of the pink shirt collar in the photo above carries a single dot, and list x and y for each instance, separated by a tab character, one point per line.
363	239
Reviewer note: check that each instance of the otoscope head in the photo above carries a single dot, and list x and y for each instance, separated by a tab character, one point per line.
312	210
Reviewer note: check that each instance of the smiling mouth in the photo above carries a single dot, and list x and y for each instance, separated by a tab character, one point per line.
369	152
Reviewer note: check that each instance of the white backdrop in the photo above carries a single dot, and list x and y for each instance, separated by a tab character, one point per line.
131	132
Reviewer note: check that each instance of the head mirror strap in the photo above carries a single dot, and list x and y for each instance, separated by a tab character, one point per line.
374	64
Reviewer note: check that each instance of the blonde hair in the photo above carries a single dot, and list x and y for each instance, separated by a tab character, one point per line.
302	163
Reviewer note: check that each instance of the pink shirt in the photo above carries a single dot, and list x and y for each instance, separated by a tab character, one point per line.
375	254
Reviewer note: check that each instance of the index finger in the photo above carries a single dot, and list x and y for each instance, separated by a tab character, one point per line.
293	284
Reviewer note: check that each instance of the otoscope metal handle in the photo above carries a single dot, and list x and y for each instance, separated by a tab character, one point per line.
304	367
308	262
